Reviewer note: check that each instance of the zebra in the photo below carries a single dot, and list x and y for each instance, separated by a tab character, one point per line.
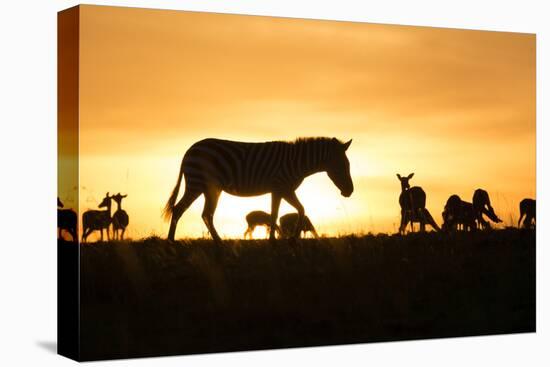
211	166
97	220
482	205
66	220
527	209
120	218
258	218
458	212
289	222
412	201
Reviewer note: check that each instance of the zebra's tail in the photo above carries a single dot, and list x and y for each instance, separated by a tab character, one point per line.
169	207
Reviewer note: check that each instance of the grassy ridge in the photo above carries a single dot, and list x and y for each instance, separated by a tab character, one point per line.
153	297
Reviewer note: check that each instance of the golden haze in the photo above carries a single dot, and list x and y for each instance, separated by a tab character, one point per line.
455	107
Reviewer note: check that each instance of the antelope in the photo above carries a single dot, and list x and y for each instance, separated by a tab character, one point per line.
458	213
482	205
97	220
289	222
120	218
66	220
528	209
258	218
211	166
413	206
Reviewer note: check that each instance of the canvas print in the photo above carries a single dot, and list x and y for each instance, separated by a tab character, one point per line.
233	182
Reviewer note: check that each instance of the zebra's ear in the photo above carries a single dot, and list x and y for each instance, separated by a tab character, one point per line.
346	145
399	176
410	176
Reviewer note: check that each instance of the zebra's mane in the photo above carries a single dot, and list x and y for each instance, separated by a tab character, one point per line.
315	139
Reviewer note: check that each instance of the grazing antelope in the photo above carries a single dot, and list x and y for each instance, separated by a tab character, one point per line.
211	166
413	206
458	213
289	223
120	218
97	220
66	220
528	209
258	218
482	205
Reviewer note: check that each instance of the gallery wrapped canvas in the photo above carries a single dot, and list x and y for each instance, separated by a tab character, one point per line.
233	182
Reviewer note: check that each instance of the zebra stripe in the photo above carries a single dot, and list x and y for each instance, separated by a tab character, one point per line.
249	169
246	168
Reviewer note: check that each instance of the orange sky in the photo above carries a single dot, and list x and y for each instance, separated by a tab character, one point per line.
456	107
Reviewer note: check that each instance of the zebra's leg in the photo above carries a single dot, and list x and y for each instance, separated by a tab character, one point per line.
122	234
210	203
275	203
189	196
292	199
101	231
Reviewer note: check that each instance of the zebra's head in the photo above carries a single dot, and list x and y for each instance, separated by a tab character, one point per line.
337	167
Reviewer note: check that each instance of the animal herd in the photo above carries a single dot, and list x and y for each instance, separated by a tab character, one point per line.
457	214
95	220
211	166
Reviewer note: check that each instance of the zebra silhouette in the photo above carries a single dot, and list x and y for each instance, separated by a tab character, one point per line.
211	166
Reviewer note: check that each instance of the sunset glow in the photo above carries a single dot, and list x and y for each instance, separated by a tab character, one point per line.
455	107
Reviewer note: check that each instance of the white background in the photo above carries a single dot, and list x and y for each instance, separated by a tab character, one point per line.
28	183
